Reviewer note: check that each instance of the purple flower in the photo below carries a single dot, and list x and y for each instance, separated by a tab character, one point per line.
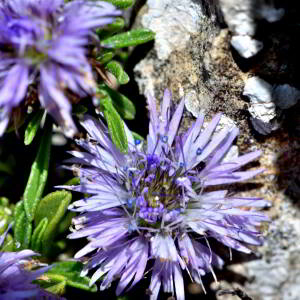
16	280
161	203
44	43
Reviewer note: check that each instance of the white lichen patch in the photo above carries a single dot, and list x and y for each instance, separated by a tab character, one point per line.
259	93
245	45
241	17
173	21
196	103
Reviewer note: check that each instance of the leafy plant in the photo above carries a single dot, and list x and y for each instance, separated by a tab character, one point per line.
39	220
107	60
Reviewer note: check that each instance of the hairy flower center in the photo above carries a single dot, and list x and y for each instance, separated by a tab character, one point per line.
35	57
157	196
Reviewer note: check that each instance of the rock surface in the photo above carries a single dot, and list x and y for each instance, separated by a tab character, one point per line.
198	61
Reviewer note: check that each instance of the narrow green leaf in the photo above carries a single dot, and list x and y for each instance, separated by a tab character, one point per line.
32	127
19	208
122	104
6	214
73	181
66	222
36	240
22	232
66	267
123	55
18	226
110	29
76	281
130	38
115	126
57	288
54	285
8	245
53	207
38	175
105	55
4	201
117	70
121	3
69	271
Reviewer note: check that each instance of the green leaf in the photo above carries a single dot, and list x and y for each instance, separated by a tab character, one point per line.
38	175
8	245
19	208
123	55
57	288
117	70
115	126
121	3
36	240
69	271
18	218
110	29
32	127
130	38
105	56
122	104
6	214
53	207
66	222
22	231
4	202
73	181
66	267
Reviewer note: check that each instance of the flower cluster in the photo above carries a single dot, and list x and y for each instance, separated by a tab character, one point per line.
156	207
16	280
44	43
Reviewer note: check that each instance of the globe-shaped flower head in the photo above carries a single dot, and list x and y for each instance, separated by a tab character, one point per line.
44	43
158	206
16	280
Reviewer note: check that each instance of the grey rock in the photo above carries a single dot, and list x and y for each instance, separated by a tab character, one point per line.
195	103
200	60
176	23
276	275
238	15
173	21
260	94
261	127
258	90
241	17
285	96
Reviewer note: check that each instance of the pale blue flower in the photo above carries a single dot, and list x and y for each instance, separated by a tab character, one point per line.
44	43
160	204
16	280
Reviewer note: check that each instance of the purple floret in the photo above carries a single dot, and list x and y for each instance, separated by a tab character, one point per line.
44	42
158	206
16	280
